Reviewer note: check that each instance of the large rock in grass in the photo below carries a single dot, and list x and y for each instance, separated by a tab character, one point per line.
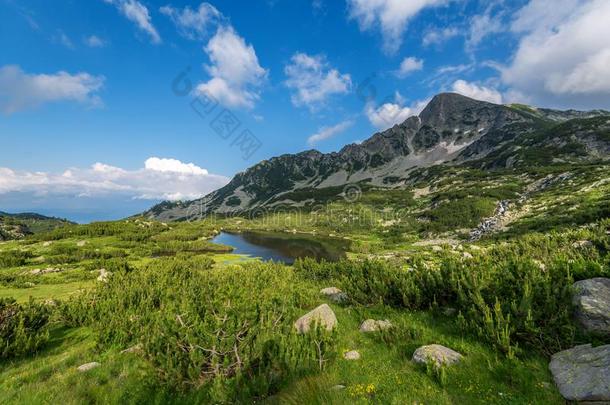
437	354
322	316
583	373
592	301
371	325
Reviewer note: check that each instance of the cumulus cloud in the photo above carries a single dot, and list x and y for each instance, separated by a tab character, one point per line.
477	91
236	74
391	16
173	166
563	54
325	133
160	179
137	13
20	90
313	80
193	24
409	65
392	113
93	41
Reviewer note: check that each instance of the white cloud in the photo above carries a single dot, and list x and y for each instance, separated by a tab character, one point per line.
409	65
563	55
235	70
93	41
481	26
392	113
314	80
439	36
160	179
325	133
392	17
477	91
173	166
137	13
193	24
19	90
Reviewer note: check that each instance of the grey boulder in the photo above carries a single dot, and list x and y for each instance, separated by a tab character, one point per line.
322	316
437	354
592	301
583	373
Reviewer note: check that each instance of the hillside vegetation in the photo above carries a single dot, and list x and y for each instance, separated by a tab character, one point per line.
170	317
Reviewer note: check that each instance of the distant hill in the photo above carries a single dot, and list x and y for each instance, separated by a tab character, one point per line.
452	130
18	226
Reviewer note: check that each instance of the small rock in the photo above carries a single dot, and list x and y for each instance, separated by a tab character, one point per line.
351	355
467	255
47	244
88	366
37	272
104	275
81	243
592	301
582	244
322	315
371	325
436	248
334	294
582	373
134	349
439	355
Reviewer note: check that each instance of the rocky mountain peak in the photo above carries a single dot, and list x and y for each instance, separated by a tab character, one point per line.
452	129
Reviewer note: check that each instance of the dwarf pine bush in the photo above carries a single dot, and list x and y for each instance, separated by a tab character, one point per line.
228	332
512	295
23	328
14	258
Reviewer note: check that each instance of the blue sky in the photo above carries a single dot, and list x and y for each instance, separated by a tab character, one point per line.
95	121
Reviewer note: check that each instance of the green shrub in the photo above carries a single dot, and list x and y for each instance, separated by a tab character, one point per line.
461	213
513	295
23	328
14	258
228	332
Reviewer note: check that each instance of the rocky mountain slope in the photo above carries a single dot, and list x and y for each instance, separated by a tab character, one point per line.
17	226
451	130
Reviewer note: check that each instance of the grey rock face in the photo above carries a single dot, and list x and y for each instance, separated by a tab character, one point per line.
371	325
322	315
582	373
439	355
592	301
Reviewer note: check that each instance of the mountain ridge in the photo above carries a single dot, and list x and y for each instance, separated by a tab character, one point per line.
452	130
